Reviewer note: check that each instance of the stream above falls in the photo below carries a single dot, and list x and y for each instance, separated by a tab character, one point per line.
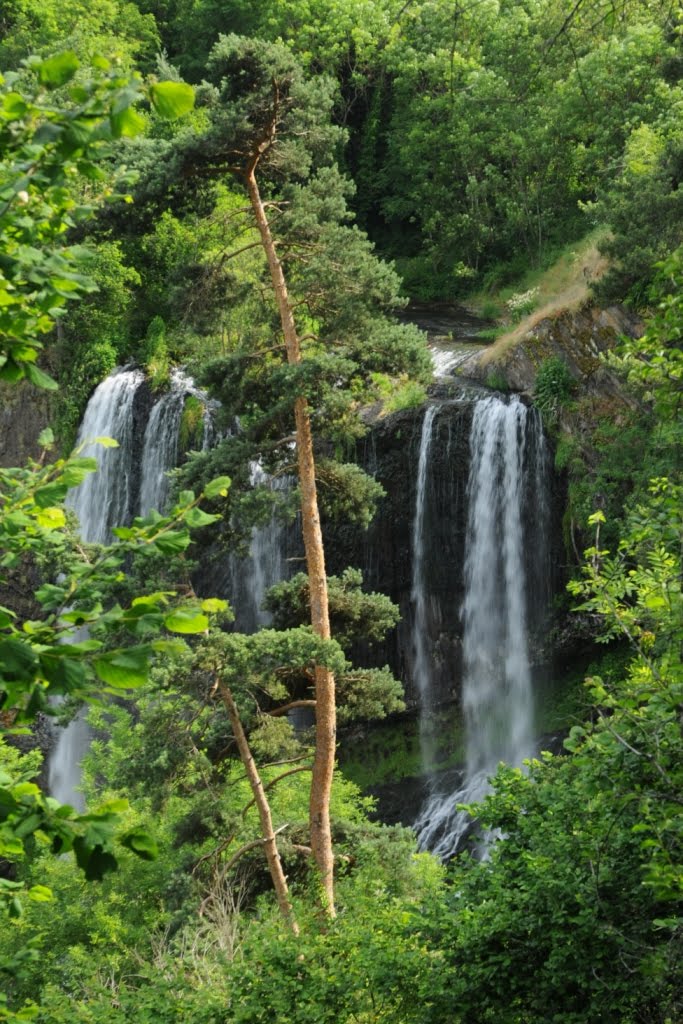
453	333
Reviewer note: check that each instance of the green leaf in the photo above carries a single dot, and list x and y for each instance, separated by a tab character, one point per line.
11	372
62	673
39	378
141	843
58	70
76	470
196	518
116	806
172	99
51	518
51	494
17	659
217	487
126	123
46	438
95	861
106	442
40	894
172	543
158	597
213	605
186	620
123	669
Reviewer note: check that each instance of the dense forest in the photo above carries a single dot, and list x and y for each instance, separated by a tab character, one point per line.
224	215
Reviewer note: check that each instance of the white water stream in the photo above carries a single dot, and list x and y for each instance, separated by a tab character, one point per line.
106	499
422	660
249	578
507	468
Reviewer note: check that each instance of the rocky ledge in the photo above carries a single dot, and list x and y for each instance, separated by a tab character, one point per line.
579	337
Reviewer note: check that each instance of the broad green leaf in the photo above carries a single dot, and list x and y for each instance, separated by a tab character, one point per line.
186	620
172	99
76	470
11	372
213	605
106	442
40	894
123	669
126	123
16	659
158	597
46	438
58	70
51	518
51	494
196	518
116	806
172	647
39	378
141	843
64	674
172	543
6	617
217	487
95	861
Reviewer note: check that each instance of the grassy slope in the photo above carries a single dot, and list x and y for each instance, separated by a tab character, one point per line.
564	285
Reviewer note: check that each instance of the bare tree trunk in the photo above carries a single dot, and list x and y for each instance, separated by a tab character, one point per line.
326	710
261	800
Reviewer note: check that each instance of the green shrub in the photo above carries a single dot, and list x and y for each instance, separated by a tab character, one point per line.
553	387
191	430
154	354
496	380
407	396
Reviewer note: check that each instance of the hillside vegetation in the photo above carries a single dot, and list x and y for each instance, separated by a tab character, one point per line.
254	190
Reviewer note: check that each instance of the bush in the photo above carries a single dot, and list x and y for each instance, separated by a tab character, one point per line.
553	387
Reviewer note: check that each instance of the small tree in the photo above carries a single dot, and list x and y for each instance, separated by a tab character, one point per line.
268	123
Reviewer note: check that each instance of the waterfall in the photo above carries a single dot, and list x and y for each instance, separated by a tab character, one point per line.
508	467
160	444
422	661
100	502
104	498
109	497
250	578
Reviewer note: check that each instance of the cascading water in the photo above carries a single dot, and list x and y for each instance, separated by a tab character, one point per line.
422	661
508	469
250	578
160	444
100	502
107	498
104	498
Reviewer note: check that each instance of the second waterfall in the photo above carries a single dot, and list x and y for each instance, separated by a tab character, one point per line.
505	564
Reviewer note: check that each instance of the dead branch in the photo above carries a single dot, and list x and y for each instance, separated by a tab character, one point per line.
286	708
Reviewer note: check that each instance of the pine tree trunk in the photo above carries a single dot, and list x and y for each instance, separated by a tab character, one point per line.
326	710
261	800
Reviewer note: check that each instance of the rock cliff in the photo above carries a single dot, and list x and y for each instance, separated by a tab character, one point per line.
579	337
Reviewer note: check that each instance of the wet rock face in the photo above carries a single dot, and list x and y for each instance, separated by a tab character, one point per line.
25	411
578	337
